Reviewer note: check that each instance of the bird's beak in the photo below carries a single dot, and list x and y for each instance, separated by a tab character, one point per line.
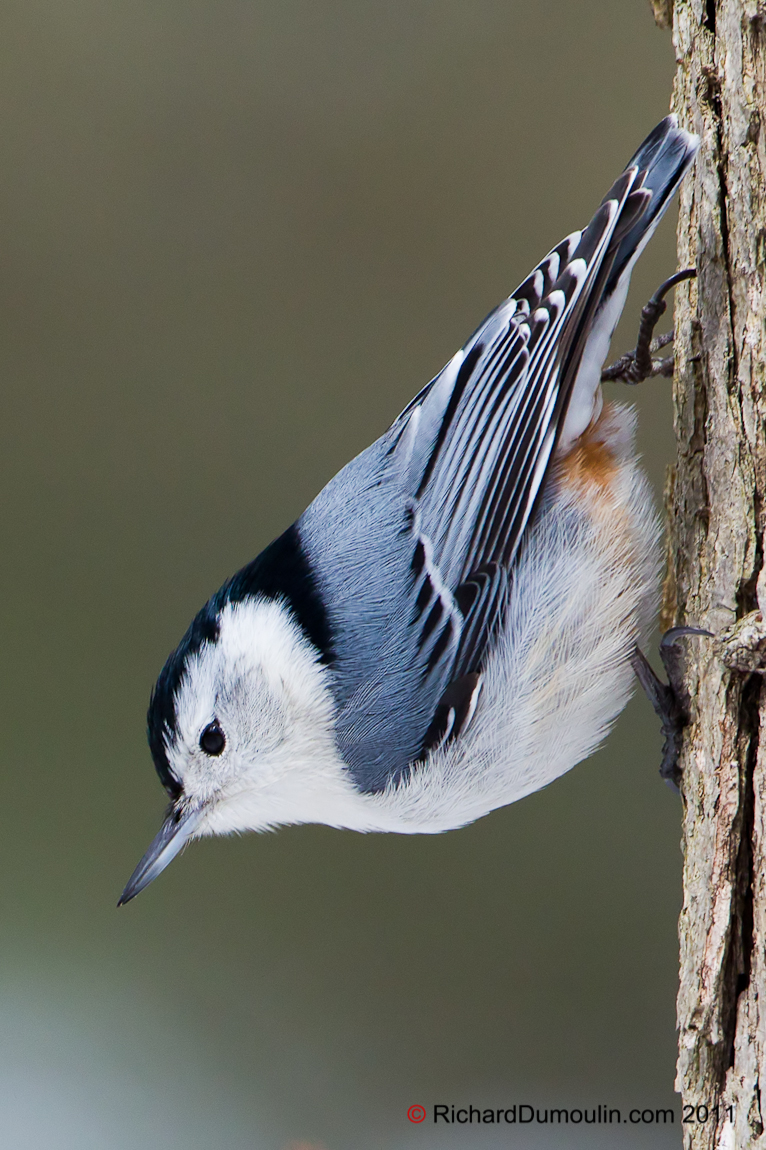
177	829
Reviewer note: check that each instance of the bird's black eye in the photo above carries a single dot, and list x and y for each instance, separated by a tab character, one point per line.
212	740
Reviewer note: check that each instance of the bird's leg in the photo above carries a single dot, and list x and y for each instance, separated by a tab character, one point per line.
668	699
640	364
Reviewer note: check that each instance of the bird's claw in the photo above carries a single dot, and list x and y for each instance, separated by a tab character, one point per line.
668	699
640	364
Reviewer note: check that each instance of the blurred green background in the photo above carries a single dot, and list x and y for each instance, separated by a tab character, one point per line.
236	238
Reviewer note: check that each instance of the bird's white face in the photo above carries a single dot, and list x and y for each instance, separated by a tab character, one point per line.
251	744
254	724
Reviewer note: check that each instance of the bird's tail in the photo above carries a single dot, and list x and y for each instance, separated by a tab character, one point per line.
662	161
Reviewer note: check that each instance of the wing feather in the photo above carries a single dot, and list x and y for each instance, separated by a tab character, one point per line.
479	487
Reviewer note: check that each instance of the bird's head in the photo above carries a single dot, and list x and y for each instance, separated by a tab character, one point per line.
240	727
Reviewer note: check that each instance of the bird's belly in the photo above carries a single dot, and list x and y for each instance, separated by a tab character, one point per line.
584	591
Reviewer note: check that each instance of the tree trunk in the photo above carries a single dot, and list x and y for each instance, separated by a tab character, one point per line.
716	504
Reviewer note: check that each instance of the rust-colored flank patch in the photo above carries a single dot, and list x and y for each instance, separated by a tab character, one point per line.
591	460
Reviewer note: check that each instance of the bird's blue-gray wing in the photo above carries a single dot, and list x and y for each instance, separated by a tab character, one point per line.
412	543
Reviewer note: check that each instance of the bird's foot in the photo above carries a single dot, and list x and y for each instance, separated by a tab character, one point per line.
668	699
640	364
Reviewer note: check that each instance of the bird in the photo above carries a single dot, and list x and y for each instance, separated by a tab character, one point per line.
452	623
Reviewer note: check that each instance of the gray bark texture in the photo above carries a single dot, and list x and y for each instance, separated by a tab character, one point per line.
716	501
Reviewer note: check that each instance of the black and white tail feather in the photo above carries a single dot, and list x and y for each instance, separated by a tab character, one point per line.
434	637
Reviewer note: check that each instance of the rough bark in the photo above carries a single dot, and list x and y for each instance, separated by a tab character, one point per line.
716	499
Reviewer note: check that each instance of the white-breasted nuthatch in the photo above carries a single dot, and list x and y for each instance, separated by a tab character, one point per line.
450	624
